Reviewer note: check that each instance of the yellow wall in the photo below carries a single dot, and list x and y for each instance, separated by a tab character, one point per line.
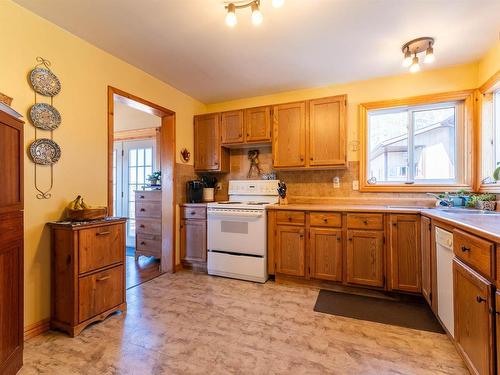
426	82
489	64
85	72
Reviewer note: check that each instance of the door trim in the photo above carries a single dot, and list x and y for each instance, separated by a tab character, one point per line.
167	157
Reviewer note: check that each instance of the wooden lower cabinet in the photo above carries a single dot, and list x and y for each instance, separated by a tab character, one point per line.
426	246
473	320
193	236
325	246
497	323
290	250
404	253
365	258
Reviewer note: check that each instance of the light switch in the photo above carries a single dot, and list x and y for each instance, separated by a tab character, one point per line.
355	185
336	182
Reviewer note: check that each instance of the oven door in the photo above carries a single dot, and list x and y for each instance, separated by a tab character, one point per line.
237	231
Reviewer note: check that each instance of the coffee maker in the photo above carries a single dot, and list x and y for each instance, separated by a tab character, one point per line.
194	191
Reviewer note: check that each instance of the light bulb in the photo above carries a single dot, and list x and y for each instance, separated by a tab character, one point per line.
407	59
278	3
256	14
429	55
415	67
231	19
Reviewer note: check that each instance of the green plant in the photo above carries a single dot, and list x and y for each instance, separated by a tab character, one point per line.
463	193
480	197
154	177
496	172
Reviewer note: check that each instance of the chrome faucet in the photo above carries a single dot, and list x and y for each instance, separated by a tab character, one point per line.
446	200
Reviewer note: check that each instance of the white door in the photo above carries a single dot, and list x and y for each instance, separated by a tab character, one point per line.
133	162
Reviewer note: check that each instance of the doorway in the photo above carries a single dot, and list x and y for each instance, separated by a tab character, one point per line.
141	141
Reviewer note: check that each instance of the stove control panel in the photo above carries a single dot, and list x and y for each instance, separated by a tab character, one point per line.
253	187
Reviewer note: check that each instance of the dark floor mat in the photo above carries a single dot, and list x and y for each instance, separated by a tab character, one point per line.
414	313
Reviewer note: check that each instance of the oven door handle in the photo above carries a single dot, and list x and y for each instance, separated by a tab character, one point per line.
234	214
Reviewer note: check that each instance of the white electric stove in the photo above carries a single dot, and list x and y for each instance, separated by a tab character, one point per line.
237	230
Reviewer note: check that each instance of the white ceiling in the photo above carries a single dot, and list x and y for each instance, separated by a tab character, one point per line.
306	43
128	118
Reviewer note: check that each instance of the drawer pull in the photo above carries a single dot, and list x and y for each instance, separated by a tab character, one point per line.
143	243
104	278
141	196
192	213
480	299
365	222
143	209
350	238
102	233
465	249
142	226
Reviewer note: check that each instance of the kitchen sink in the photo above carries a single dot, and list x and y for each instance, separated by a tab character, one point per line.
466	211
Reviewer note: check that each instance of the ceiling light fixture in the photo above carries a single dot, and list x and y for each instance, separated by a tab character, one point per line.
254	5
413	48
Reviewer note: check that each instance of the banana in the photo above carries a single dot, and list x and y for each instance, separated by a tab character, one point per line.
84	205
73	204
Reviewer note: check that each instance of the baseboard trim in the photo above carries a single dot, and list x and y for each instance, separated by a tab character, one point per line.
36	329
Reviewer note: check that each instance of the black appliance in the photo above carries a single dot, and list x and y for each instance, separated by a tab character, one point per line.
194	191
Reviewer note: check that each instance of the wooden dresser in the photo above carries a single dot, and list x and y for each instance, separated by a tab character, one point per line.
11	244
193	241
88	272
148	223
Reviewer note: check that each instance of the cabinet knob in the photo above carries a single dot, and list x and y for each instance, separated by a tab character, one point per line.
395	224
248	134
141	226
465	249
301	235
365	222
480	299
350	238
143	209
192	212
141	196
311	158
143	243
289	218
325	220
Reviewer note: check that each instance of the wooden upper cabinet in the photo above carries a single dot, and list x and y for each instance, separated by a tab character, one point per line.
289	135
327	138
258	124
290	250
425	240
473	321
208	153
365	257
405	261
232	127
325	247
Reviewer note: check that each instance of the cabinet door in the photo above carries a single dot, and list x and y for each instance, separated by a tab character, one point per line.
194	240
365	257
473	321
327	140
497	315
258	124
326	253
405	253
425	235
290	256
207	142
289	135
232	127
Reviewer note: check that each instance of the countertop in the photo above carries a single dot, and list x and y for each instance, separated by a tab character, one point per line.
484	225
201	204
86	224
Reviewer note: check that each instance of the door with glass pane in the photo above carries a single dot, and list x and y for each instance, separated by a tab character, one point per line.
133	162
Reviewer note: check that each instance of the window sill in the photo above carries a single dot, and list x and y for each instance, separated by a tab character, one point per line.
490	188
414	188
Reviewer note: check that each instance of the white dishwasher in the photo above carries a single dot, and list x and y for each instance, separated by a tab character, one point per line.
444	255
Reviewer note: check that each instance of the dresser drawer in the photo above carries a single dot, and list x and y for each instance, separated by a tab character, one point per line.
100	247
147	209
290	217
474	251
148	243
150	226
365	221
100	292
193	212
154	196
325	219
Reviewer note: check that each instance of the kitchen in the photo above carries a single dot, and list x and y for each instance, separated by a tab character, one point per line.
318	212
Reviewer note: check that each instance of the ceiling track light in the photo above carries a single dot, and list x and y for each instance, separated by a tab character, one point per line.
254	5
413	48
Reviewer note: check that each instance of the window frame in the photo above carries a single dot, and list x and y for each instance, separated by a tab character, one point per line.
484	97
465	148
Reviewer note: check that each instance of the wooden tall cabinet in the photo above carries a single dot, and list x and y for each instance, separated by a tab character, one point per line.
88	272
11	244
209	155
405	259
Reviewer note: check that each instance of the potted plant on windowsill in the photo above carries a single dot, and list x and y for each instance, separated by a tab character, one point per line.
483	202
154	179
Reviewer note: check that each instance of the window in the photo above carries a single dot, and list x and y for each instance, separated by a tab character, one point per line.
418	144
490	134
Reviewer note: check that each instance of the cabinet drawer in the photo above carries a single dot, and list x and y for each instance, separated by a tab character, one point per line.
290	217
149	226
474	251
193	213
100	292
154	196
325	219
147	209
148	242
365	221
100	247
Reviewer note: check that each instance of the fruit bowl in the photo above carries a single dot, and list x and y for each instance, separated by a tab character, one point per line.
86	214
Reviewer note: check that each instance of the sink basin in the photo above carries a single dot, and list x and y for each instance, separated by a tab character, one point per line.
408	206
466	211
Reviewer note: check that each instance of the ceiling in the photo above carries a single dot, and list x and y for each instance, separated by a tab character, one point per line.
306	43
128	118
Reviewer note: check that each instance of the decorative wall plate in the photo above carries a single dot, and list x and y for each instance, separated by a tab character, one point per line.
45	82
45	151
44	116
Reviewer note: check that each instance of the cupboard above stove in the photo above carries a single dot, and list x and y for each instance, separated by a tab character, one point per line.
308	134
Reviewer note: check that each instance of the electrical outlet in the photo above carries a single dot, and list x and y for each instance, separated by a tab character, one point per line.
218	186
336	182
355	185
